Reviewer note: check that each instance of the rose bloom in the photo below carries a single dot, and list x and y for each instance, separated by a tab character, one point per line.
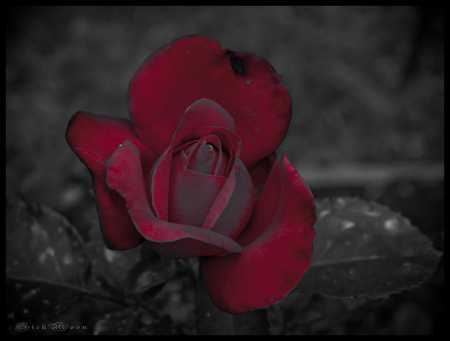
195	174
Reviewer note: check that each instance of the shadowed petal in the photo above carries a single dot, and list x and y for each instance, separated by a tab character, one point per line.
277	246
233	206
202	118
260	172
170	240
94	138
191	194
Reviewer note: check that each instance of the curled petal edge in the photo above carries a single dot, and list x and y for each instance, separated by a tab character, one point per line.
93	138
275	255
196	122
124	175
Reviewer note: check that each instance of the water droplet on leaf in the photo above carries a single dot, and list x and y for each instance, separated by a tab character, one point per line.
371	213
324	213
340	203
346	224
391	225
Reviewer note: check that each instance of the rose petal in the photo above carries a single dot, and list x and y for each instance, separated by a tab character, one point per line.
124	174
158	184
191	194
230	146
94	138
277	246
203	158
233	206
260	172
221	158
195	67
189	129
202	113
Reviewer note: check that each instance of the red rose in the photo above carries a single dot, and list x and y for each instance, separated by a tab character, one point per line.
185	173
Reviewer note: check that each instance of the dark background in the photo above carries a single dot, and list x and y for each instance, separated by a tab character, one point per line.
367	85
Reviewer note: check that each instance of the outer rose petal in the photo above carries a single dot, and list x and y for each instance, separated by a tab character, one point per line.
124	174
195	67
277	247
94	138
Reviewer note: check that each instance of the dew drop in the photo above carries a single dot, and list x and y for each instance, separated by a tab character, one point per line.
328	245
406	268
324	213
366	237
67	259
353	275
42	257
109	255
340	203
30	293
371	213
391	225
346	224
36	229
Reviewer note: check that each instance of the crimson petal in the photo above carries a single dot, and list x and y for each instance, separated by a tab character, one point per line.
203	158
277	246
194	67
170	240
233	206
94	138
191	194
202	118
260	172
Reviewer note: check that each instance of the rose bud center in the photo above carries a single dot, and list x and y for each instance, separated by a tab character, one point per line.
203	159
198	172
206	158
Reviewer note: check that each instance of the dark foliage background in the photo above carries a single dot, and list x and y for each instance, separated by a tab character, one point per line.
367	85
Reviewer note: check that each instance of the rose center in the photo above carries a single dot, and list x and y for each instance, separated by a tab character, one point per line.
203	158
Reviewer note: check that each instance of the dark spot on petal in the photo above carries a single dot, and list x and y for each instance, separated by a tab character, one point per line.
238	64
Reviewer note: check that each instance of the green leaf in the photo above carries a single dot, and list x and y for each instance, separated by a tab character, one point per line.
135	321
45	262
110	267
42	244
32	300
148	276
117	323
151	324
363	249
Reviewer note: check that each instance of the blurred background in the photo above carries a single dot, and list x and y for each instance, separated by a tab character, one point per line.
367	86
